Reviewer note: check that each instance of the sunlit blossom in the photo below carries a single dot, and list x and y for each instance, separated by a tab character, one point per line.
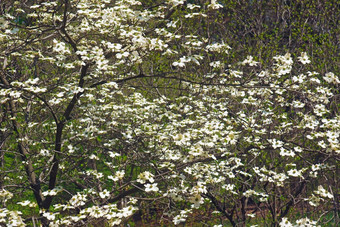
304	59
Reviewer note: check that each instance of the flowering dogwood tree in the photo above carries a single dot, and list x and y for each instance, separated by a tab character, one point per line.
109	105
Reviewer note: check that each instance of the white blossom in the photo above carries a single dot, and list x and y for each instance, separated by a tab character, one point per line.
304	59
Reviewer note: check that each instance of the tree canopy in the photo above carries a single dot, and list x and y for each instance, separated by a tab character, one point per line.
111	108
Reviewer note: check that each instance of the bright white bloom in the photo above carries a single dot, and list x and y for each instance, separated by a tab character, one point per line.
314	200
182	61
304	59
93	157
251	215
320	109
284	64
71	149
299	79
128	211
60	47
118	175
50	216
191	15
121	55
285	223
214	5
249	193
196	200
176	2
113	154
298	104
276	143
236	73
218	47
285	152
305	222
104	194
172	24
181	217
13	218
27	203
249	61
331	78
5	195
295	173
178	219
322	192
215	64
78	200
52	192
32	81
192	6
151	187
179	64
262	74
145	176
